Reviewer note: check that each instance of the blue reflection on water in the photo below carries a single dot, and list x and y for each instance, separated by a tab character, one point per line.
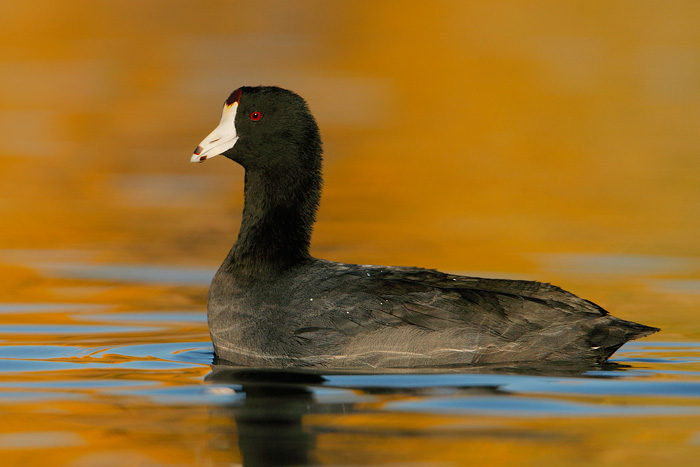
521	384
62	329
459	393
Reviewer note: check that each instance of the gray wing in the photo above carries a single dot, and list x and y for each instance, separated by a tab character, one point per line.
429	317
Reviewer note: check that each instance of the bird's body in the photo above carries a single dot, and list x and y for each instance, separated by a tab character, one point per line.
321	313
272	305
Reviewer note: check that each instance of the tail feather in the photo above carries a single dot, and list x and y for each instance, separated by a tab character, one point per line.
607	337
634	330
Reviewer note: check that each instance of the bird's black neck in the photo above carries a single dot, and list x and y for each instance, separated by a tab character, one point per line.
278	216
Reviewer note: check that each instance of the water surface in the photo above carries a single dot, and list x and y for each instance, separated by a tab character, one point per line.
81	383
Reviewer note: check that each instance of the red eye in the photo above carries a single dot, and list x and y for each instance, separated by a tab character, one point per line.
255	116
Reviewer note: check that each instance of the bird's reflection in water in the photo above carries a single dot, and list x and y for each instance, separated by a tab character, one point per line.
269	418
269	406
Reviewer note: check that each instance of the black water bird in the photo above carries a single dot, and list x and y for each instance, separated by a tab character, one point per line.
271	304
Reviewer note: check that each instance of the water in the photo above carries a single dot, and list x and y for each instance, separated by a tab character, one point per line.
98	385
549	141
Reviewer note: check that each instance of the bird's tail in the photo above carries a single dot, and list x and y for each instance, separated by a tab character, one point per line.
612	335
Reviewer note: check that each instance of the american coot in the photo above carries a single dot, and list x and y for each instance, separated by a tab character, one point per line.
273	305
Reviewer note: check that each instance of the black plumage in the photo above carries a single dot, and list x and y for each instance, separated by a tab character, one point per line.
272	305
